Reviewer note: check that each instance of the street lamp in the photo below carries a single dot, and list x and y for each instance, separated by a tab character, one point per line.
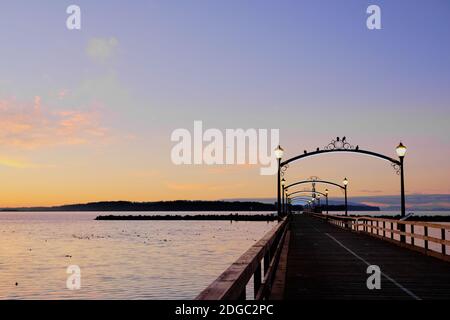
401	152
345	182
326	197
279	152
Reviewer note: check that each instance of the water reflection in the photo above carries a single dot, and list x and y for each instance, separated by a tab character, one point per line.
118	259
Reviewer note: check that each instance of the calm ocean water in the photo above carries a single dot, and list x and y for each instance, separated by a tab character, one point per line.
121	259
118	259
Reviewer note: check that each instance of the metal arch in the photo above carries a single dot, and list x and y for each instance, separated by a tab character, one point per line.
300	198
366	152
317	181
303	204
308	191
301	201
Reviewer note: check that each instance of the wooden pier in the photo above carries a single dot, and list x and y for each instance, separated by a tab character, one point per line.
316	256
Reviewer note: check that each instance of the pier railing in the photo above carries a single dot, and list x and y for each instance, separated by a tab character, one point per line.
428	238
259	262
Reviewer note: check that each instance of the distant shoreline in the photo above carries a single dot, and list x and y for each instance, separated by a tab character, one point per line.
178	205
227	217
243	217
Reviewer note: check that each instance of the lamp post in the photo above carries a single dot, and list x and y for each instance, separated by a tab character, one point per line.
326	198
345	182
287	202
283	193
318	201
279	154
288	206
401	152
283	196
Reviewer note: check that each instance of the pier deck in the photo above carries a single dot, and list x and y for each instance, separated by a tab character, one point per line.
328	262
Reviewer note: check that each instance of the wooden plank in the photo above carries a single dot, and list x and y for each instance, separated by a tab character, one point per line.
320	268
279	283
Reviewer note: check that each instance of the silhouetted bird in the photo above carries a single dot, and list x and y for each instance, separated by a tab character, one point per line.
337	138
305	152
317	149
357	148
343	139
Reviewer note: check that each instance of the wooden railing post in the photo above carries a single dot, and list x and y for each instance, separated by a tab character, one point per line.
369	224
250	265
266	261
257	279
443	238
392	230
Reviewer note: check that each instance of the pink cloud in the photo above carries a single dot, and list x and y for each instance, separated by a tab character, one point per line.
31	125
63	93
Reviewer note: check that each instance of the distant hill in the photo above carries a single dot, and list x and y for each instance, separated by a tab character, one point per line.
351	207
178	205
414	202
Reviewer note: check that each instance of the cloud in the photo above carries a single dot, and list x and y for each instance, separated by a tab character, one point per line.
228	169
204	187
102	49
370	191
17	163
31	125
186	186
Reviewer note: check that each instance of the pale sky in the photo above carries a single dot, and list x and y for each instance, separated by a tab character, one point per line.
87	115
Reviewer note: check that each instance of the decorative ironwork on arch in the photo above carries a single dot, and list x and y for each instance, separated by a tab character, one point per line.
300	198
293	201
340	145
307	191
314	181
